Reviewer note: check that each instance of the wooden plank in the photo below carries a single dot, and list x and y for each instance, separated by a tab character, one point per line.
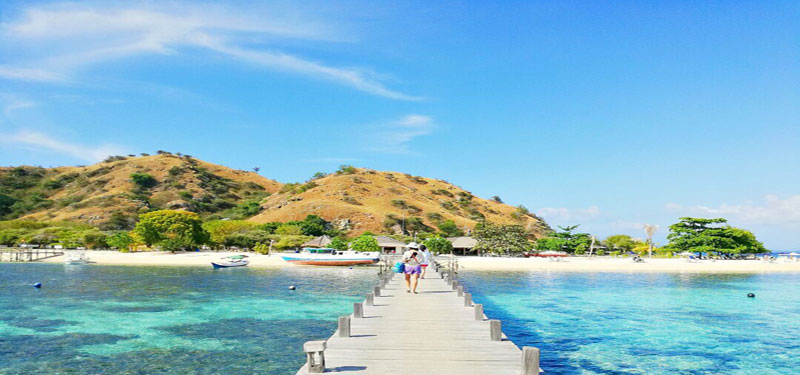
432	332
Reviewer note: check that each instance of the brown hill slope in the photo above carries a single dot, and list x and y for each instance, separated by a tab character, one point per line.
106	191
368	200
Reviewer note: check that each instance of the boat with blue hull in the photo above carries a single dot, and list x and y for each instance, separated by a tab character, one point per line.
232	261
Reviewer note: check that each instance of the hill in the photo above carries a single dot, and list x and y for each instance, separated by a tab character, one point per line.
367	200
110	194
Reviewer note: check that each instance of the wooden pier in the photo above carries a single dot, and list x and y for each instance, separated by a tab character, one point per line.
27	255
438	331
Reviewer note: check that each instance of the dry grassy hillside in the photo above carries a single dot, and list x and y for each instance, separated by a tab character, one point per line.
368	200
98	193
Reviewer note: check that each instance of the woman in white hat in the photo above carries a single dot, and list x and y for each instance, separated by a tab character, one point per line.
412	266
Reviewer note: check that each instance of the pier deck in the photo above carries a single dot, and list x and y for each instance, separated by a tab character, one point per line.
433	332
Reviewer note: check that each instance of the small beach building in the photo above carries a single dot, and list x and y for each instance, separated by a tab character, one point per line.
318	242
389	244
463	245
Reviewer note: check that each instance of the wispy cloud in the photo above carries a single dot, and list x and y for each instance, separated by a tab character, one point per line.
395	137
771	210
569	214
11	103
38	141
76	36
25	74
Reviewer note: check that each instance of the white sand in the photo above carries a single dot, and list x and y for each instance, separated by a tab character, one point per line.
580	264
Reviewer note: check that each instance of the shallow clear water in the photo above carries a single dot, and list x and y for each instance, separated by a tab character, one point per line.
192	320
168	320
652	323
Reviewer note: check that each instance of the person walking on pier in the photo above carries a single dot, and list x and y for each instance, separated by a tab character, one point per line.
425	260
411	260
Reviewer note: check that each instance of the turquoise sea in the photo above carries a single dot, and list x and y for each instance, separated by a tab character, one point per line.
168	320
648	323
194	320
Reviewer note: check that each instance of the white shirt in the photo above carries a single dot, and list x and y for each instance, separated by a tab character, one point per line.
426	256
409	258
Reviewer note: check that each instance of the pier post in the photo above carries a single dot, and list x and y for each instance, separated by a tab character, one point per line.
376	291
312	348
344	326
478	311
460	291
455	284
358	310
530	360
467	299
495	331
370	300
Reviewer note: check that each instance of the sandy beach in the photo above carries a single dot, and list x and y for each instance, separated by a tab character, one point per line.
571	264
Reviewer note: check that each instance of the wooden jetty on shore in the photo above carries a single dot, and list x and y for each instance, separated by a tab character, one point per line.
27	255
438	331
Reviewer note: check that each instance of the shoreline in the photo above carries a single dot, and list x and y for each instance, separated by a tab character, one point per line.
466	263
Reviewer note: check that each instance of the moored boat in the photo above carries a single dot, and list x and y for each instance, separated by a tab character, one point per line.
330	257
231	261
76	257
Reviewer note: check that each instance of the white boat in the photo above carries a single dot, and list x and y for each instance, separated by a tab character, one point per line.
76	257
231	261
330	257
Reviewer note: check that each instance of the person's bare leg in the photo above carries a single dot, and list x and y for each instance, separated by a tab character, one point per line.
408	282
424	271
416	281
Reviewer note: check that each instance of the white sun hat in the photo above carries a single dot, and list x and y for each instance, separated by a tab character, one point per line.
413	245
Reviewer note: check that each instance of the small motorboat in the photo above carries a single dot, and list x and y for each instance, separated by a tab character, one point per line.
330	257
547	254
76	258
231	261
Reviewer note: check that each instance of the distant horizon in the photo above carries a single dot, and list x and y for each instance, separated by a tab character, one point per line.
607	115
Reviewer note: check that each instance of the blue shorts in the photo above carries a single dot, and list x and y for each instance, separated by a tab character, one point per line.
413	270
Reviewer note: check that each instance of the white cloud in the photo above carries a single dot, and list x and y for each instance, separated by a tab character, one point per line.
11	103
395	137
24	74
568	214
76	36
772	210
38	141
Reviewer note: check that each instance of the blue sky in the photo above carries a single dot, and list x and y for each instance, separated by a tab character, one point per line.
605	114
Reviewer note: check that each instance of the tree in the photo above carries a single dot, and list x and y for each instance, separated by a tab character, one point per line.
438	245
620	242
565	240
171	230
9	237
122	241
219	230
711	235
143	180
365	243
289	230
256	169
496	199
500	238
346	169
338	243
450	229
313	225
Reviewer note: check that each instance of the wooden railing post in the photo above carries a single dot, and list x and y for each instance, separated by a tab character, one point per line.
370	301
315	349
495	332
376	291
358	310
344	326
478	311
530	360
460	291
467	299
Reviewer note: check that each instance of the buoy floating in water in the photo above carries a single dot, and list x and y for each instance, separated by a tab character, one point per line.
37	285
751	295
292	287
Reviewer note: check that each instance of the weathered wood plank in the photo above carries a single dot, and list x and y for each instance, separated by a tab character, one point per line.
433	332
